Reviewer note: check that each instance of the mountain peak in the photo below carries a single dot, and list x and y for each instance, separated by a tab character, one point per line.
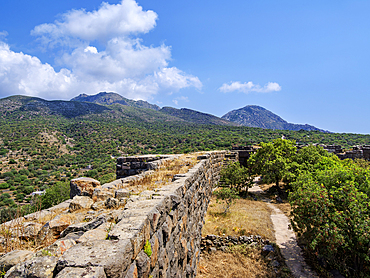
257	116
109	98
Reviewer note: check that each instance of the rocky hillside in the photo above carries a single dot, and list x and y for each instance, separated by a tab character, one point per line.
256	116
196	117
21	106
112	98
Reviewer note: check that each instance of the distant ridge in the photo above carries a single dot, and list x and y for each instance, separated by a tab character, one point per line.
105	98
257	116
196	116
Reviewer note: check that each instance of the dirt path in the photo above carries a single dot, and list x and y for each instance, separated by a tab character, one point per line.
286	240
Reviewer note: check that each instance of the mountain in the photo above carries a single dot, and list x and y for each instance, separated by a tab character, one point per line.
105	98
18	106
195	116
256	116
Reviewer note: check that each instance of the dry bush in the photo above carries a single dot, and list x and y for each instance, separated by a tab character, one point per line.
245	217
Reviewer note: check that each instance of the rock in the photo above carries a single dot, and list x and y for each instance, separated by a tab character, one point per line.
122	193
113	256
40	267
102	194
267	249
88	272
111	203
85	226
14	257
57	248
99	233
132	271
53	228
74	236
30	230
98	205
80	202
109	186
147	194
143	264
83	187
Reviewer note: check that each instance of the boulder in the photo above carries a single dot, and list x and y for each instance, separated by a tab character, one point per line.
53	228
41	267
80	202
14	257
83	187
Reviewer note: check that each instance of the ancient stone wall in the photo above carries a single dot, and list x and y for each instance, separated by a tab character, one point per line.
154	234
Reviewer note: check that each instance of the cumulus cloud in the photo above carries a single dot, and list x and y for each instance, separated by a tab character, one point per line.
120	20
248	87
121	63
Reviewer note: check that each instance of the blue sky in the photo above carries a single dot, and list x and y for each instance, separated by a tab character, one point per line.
307	61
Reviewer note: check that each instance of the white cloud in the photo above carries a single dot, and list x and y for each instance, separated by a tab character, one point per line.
249	87
120	20
121	63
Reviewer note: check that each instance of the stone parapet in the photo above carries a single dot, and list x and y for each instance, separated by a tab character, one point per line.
155	234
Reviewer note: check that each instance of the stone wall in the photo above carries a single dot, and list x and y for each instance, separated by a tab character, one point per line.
154	234
133	165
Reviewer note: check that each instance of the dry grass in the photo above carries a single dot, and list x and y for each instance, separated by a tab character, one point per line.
163	174
233	265
246	217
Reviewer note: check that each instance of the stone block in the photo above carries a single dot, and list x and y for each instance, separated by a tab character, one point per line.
83	187
80	202
114	256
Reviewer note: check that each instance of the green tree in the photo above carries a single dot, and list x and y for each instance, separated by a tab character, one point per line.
236	176
227	195
274	160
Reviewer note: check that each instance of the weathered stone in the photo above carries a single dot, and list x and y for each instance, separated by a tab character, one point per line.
132	271
57	248
29	230
143	264
98	205
122	193
154	245
75	236
88	272
83	187
109	186
113	256
85	226
40	267
80	202
14	257
100	233
101	194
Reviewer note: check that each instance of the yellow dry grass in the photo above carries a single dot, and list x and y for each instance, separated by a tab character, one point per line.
245	217
233	265
163	174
